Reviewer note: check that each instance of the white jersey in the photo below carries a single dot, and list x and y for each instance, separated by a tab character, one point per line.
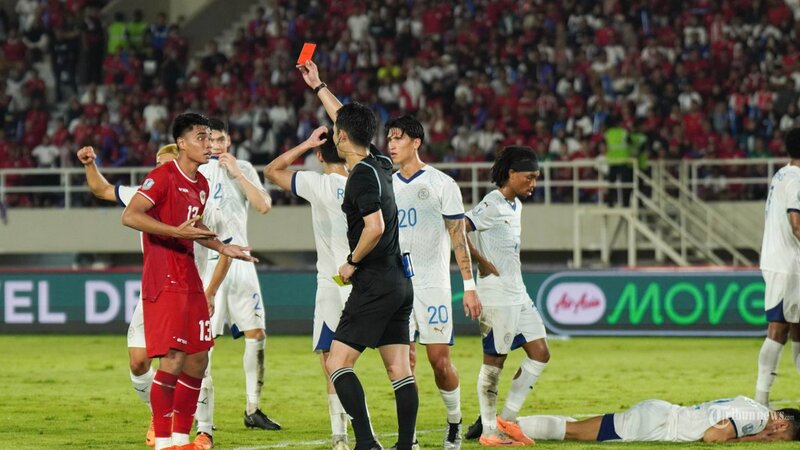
691	422
780	249
498	226
325	193
226	210
424	201
125	193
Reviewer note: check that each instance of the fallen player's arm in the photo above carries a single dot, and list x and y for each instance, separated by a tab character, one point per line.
723	431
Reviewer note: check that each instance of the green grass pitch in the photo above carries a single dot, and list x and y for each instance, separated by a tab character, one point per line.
70	392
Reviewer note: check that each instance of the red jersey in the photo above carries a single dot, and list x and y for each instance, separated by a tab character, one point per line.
169	262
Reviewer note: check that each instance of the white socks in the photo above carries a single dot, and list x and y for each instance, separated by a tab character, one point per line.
253	372
546	428
205	405
768	360
452	402
521	386
162	443
141	383
338	416
180	439
488	378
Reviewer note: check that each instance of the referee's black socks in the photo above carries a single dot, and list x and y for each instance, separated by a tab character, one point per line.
351	394
407	400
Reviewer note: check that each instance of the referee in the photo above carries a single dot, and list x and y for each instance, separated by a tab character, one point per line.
377	312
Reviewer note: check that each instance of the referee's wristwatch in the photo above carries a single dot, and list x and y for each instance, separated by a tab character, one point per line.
351	262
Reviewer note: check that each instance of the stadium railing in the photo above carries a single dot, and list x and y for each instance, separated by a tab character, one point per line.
577	182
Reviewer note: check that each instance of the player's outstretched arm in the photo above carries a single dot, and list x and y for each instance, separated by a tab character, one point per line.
277	171
220	272
232	250
135	216
98	184
458	239
257	196
311	77
722	431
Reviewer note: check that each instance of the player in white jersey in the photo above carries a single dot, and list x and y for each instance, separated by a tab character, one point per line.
431	219
780	267
325	193
140	365
234	185
509	319
729	420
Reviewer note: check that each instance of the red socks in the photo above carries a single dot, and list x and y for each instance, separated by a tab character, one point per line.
162	394
187	392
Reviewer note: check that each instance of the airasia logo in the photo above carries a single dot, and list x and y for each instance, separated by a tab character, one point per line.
576	303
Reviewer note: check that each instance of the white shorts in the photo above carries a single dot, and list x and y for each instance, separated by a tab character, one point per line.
328	307
648	420
136	327
238	302
782	287
505	328
432	316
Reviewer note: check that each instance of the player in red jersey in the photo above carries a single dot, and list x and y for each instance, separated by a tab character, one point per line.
168	209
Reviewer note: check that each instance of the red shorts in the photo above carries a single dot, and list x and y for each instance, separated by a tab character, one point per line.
177	320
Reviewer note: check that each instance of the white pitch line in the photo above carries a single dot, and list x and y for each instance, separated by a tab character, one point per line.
292	444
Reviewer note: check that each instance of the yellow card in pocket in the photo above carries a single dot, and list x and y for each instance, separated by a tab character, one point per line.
339	281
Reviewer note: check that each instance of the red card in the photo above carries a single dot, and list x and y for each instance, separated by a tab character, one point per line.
306	53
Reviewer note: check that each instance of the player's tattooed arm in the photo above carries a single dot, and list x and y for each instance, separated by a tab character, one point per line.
458	239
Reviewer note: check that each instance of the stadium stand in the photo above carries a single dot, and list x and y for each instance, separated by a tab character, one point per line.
697	79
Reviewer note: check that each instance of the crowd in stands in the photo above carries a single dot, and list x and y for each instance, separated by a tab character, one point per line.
694	79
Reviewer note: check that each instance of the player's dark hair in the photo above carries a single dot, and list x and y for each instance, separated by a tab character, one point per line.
218	125
185	122
409	125
793	416
515	157
328	149
358	121
792	143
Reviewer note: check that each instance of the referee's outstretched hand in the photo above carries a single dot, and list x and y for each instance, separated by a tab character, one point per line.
310	74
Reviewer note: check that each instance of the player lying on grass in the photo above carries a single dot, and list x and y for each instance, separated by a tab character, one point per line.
737	419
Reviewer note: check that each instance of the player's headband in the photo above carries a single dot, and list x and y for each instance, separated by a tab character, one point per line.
525	165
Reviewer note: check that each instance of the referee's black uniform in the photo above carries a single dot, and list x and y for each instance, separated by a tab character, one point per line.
379	306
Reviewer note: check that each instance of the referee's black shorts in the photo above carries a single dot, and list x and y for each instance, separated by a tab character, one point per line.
379	307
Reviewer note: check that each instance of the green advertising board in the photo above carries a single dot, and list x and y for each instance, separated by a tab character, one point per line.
571	303
653	303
